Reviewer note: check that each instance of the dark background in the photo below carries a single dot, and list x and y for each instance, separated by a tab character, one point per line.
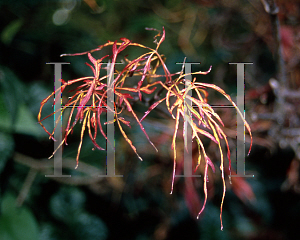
139	206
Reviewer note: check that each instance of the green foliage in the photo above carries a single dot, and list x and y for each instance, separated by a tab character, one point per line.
12	91
16	223
6	149
10	31
67	206
14	113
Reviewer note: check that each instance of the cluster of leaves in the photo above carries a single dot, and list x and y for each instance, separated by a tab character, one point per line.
90	100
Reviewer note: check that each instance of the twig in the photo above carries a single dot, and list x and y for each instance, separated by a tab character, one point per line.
26	187
271	8
46	167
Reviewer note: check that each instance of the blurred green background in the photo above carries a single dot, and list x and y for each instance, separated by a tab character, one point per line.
138	206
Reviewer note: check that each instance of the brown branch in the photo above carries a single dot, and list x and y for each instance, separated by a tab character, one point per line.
45	166
272	9
26	187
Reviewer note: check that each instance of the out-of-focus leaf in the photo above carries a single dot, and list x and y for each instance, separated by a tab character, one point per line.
90	227
47	232
242	189
12	90
244	225
24	123
209	224
67	204
16	223
6	148
37	92
8	33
